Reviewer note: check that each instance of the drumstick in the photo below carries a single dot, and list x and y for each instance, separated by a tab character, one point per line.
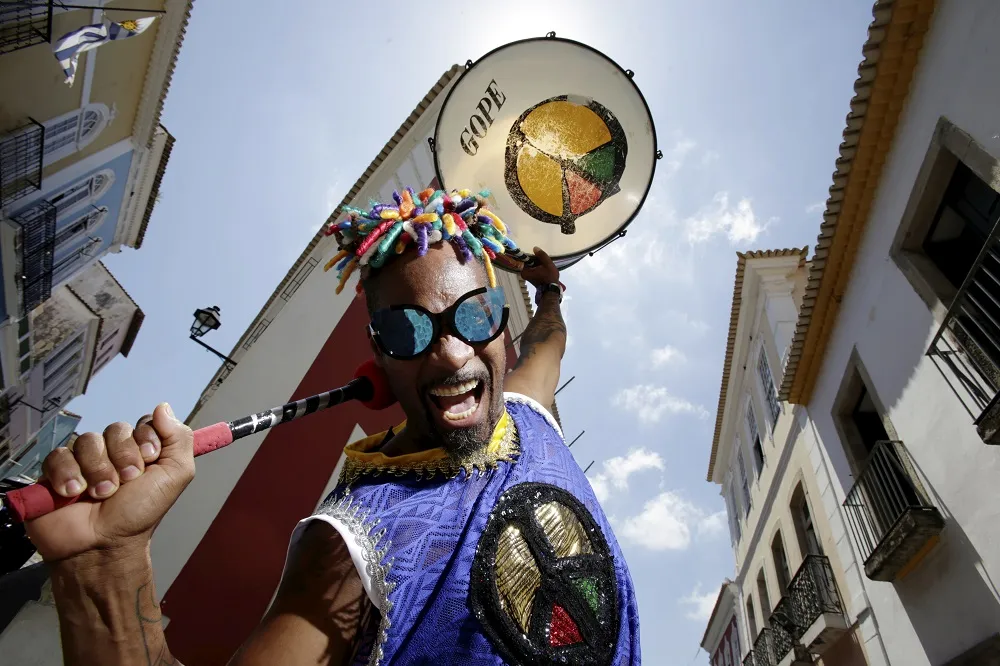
369	387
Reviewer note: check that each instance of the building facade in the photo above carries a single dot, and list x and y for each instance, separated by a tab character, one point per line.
895	353
788	574
80	170
722	635
860	492
305	340
78	330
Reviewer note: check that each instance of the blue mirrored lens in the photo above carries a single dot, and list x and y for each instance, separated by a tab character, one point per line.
403	332
479	317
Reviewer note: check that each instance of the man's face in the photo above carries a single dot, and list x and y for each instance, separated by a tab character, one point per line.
428	386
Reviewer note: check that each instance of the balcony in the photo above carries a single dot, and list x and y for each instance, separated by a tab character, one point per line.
24	24
21	162
38	235
815	612
892	522
968	340
748	660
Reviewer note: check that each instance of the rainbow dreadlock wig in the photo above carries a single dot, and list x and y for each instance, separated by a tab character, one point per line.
369	239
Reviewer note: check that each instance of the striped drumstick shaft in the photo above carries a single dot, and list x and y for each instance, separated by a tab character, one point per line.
39	499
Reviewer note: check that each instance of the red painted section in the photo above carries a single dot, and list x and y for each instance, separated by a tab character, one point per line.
224	588
727	653
226	585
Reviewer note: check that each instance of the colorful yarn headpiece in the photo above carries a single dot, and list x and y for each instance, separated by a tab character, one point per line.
433	216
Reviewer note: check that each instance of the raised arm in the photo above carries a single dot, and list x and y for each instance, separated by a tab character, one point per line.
536	373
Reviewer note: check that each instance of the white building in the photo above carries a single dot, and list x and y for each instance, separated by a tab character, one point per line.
895	353
887	411
788	575
85	323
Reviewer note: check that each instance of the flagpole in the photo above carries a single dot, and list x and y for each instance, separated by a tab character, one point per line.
107	9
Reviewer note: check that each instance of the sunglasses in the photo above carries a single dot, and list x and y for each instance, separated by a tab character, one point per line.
406	331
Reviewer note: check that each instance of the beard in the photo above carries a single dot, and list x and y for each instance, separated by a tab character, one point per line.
466	441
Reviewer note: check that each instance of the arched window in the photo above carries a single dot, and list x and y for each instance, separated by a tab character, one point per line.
781	570
805	531
88	190
84	224
73	131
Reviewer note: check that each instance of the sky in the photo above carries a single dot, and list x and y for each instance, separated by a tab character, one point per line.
277	113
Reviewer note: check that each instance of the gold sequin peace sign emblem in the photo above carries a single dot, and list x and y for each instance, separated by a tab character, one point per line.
543	581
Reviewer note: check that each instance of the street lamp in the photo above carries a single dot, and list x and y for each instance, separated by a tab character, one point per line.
205	320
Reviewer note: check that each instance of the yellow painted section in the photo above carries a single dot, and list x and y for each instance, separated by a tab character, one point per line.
540	177
918	557
899	52
565	129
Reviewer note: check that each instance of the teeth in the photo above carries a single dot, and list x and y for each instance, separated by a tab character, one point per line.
461	415
455	390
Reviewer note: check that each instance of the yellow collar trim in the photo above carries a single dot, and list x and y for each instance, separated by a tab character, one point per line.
360	459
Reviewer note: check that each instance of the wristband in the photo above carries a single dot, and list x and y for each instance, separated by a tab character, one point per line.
555	287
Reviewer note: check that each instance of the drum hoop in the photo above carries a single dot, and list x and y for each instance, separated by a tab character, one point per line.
652	171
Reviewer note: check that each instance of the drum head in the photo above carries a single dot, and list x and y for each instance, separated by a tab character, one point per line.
559	134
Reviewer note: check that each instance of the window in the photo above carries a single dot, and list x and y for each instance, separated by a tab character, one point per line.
751	619
77	228
77	194
743	481
765	600
300	277
66	267
758	450
802	519
734	640
74	131
53	377
109	338
767	382
734	516
781	570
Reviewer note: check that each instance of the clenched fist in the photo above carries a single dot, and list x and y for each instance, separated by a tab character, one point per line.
130	476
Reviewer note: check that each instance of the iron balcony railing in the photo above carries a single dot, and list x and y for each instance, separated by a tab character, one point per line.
765	652
968	340
883	493
24	24
38	233
785	630
812	592
21	161
748	659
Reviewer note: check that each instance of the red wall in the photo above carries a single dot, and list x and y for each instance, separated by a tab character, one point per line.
719	656
224	588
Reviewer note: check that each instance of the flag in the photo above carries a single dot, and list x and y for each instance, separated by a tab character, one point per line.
68	49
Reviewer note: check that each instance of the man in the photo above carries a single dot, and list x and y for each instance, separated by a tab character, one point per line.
466	535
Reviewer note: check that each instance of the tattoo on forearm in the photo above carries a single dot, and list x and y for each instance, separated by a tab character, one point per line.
547	322
147	611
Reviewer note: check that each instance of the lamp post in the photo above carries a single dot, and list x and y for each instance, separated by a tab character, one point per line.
205	320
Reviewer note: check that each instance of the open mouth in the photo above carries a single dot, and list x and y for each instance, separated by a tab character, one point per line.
457	404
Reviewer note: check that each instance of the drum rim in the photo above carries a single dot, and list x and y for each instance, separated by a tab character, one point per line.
576	256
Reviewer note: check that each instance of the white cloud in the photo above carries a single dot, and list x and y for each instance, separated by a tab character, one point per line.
701	604
739	223
684	320
675	156
709	157
663	524
712	525
816	207
665	355
650	403
617	470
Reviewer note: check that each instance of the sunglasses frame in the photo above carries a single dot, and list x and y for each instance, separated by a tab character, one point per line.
446	317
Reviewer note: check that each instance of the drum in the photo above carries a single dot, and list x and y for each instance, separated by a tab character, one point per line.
559	134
